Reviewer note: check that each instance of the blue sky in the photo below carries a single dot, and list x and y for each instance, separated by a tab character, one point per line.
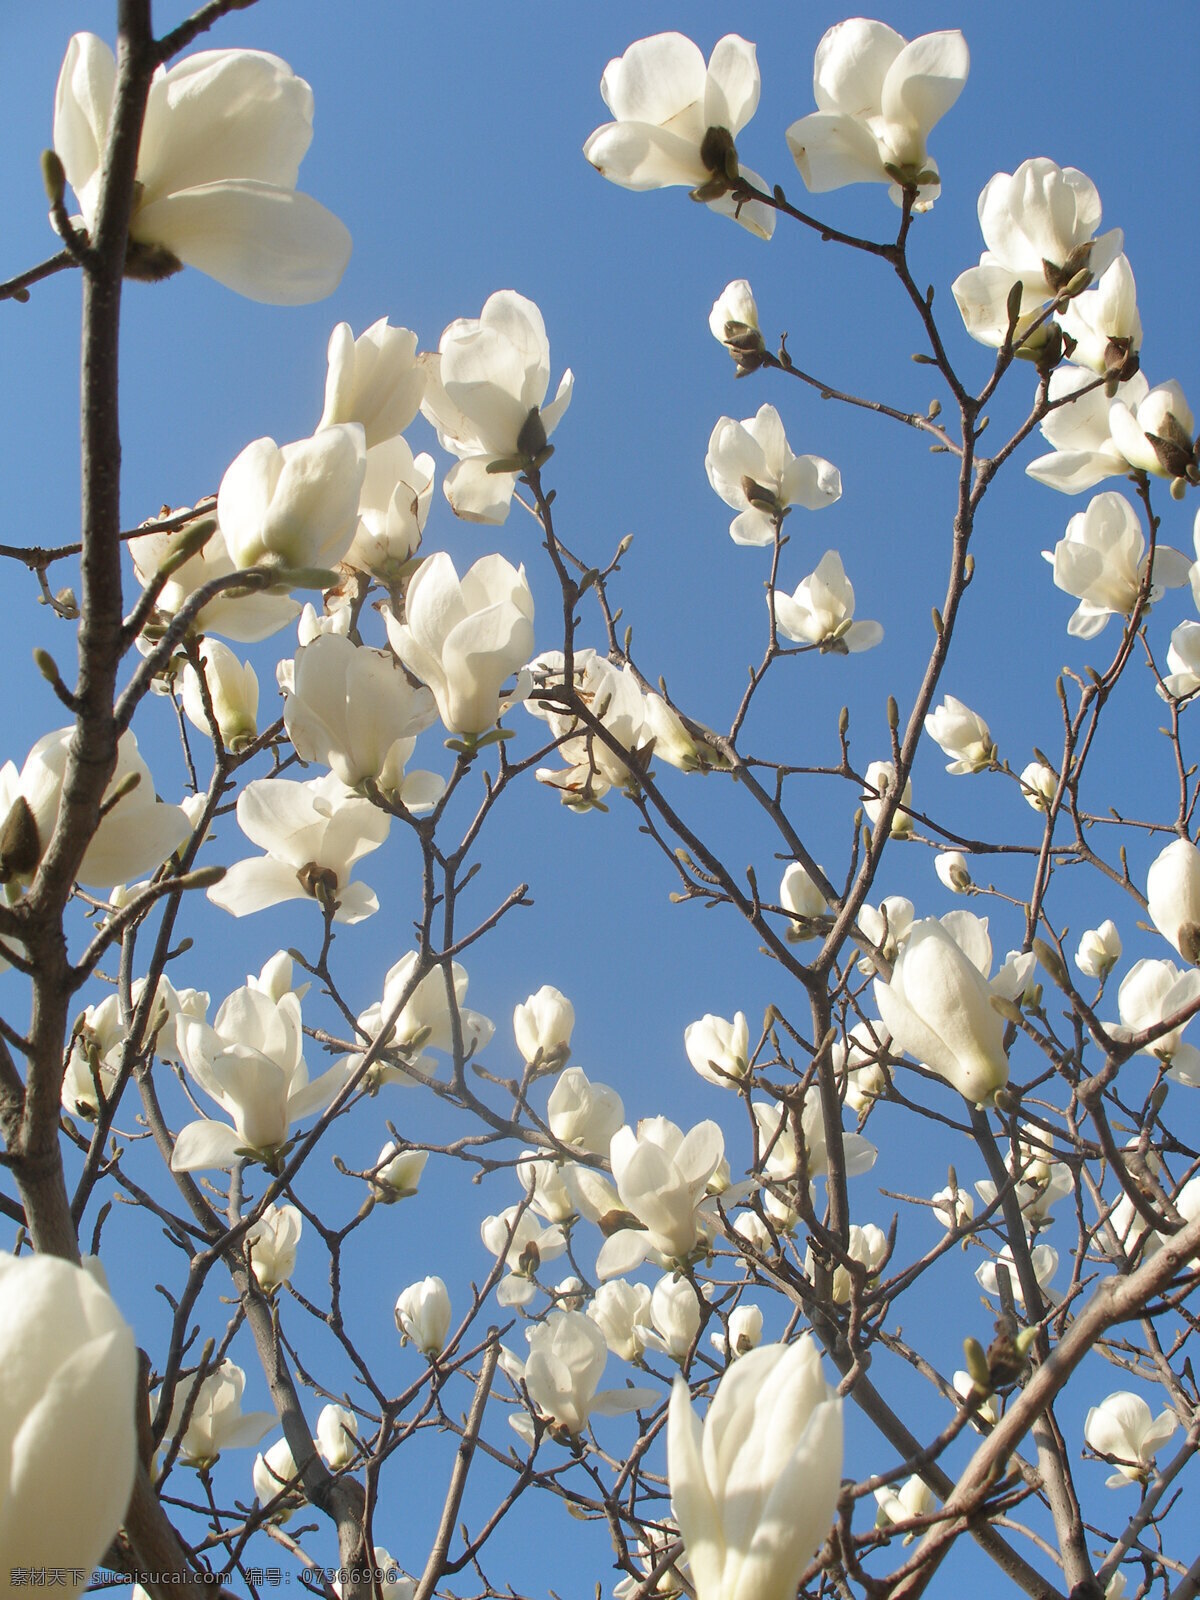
449	140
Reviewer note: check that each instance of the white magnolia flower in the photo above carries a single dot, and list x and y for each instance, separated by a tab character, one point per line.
544	1182
858	1061
1150	993
1183	658
136	833
953	1208
337	1436
232	692
485	394
275	1473
799	895
1121	1427
745	1333
1043	1258
271	1245
375	380
937	1007
244	617
754	1487
1099	950
914	1499
567	1356
1156	435
987	1410
94	1061
426	1018
1102	561
295	505
785	1152
396	495
751	466
1103	323
1038	225
68	1446
355	711
868	1247
821	611
614	697
878	97
880	777
733	322
423	1315
622	1313
313	834
675	1315
217	1421
251	1062
963	736
399	1171
1039	785
542	1026
584	1115
516	1236
222	140
661	1175
719	1050
677	121
1078	428
951	867
464	637
1173	896
887	926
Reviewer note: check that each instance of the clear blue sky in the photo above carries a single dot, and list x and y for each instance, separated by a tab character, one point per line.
448	139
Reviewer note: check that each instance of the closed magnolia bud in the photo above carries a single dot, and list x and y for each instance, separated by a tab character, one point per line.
542	1026
423	1315
1099	950
1173	897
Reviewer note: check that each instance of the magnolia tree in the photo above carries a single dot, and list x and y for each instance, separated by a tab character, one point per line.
695	1322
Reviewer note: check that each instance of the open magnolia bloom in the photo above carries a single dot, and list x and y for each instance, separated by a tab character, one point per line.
313	833
662	1176
1121	1427
1183	658
241	616
1042	1257
567	1356
878	97
222	141
1103	325
963	736
584	1115
1102	561
614	697
1038	225
1151	993
217	1421
68	1446
677	120
1084	452
938	1008
1157	436
426	1018
250	1061
784	1153
719	1050
751	466
485	394
753	1487
136	834
464	636
295	505
375	380
354	710
516	1236
821	611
